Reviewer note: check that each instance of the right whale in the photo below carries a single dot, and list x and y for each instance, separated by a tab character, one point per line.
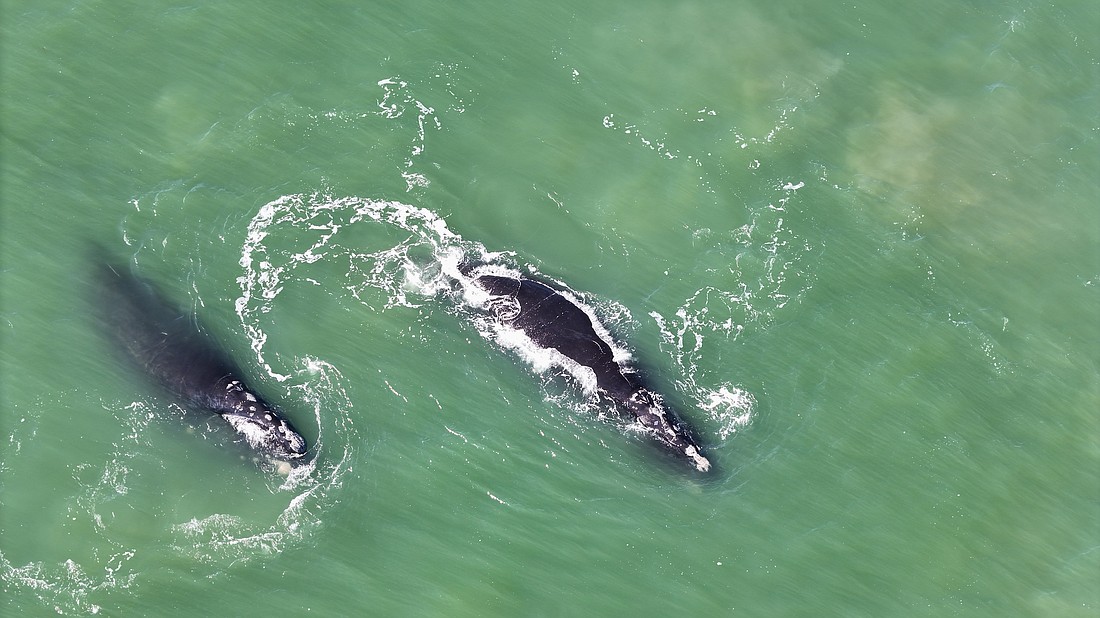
551	320
170	347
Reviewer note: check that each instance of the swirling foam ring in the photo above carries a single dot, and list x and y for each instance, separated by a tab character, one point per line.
316	220
222	538
219	538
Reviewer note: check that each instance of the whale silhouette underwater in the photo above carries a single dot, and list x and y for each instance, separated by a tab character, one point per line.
175	352
553	321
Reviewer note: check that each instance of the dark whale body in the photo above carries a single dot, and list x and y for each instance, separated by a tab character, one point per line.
553	321
170	347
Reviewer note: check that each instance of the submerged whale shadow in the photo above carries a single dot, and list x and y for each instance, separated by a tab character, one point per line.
172	349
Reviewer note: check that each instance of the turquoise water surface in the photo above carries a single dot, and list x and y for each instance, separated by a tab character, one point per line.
856	245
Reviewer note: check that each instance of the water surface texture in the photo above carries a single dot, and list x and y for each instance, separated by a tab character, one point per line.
856	245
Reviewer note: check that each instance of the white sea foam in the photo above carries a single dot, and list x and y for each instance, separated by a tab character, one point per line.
729	406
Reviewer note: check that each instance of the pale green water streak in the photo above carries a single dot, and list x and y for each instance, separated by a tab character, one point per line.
879	220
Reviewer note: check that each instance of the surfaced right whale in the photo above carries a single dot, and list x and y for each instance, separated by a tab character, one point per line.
552	320
170	347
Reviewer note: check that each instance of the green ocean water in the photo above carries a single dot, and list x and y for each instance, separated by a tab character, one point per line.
857	245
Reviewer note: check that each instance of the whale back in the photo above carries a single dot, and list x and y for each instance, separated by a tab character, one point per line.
159	339
552	320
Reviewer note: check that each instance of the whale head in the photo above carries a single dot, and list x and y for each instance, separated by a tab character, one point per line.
259	424
648	408
267	433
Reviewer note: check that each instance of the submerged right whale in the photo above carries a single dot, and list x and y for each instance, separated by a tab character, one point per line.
168	345
551	320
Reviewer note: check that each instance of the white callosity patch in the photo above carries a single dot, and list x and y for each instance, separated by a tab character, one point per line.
258	435
261	428
295	441
701	463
